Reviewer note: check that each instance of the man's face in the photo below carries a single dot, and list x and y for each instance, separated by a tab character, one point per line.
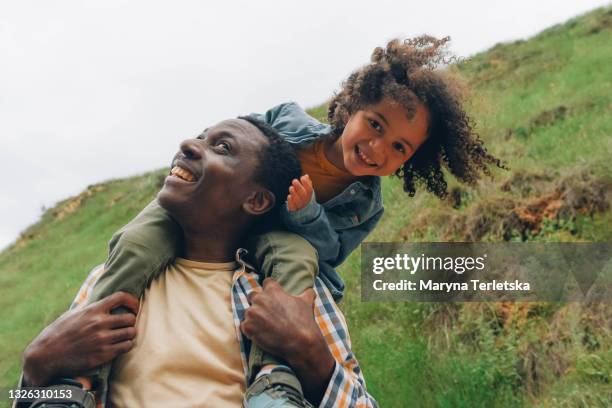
211	176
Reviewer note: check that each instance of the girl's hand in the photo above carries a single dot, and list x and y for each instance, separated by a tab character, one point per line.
300	193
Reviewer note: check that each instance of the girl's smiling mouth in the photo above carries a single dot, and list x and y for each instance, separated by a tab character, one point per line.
363	158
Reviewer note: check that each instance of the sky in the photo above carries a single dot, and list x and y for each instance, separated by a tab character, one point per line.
95	90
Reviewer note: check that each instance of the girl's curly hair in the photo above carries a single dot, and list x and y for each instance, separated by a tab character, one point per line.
405	72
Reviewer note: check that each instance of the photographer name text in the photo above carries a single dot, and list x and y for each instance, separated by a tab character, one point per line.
432	286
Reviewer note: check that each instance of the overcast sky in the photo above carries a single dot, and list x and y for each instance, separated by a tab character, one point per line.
93	90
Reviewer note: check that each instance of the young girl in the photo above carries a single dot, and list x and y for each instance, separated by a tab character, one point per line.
397	116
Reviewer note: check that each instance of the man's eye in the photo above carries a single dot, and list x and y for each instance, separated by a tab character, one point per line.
399	147
375	125
223	146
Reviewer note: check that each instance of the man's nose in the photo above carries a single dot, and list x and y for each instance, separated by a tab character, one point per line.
191	149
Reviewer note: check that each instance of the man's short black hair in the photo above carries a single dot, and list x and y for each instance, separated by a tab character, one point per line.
278	166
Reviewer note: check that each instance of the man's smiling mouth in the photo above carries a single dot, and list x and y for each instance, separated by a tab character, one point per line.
182	173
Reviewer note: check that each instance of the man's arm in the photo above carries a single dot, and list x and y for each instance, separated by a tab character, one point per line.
313	339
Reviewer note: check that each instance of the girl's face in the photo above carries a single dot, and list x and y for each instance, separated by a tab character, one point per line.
379	139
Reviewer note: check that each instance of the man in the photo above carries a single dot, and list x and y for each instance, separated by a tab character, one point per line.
195	322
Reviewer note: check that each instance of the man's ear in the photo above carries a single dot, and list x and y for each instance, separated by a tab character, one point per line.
259	202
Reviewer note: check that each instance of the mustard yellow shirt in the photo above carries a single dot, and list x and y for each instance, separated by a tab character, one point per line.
327	180
186	349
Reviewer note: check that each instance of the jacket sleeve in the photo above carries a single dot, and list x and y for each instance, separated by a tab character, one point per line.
333	246
293	122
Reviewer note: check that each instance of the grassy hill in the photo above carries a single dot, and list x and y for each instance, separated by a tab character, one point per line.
545	106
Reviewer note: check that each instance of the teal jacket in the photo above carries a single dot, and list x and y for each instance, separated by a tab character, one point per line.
336	227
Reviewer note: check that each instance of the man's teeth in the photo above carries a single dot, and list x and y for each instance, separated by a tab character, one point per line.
366	159
182	173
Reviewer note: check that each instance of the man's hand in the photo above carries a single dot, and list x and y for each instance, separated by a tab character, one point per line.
284	325
277	320
81	339
300	193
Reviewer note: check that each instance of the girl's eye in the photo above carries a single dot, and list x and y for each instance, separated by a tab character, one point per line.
375	125
399	147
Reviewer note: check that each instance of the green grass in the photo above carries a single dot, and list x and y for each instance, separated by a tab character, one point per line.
544	106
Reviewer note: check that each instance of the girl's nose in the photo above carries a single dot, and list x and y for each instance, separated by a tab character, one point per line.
378	148
375	143
191	149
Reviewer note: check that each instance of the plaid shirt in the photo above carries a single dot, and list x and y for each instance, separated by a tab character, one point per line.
346	387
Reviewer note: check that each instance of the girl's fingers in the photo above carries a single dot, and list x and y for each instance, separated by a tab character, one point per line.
307	185
296	182
293	193
300	190
307	182
300	193
294	203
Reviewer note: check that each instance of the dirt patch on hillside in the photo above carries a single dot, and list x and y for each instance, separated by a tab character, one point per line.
536	199
564	200
70	205
61	210
524	183
545	118
548	117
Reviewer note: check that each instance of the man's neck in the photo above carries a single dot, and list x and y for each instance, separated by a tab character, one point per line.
207	248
